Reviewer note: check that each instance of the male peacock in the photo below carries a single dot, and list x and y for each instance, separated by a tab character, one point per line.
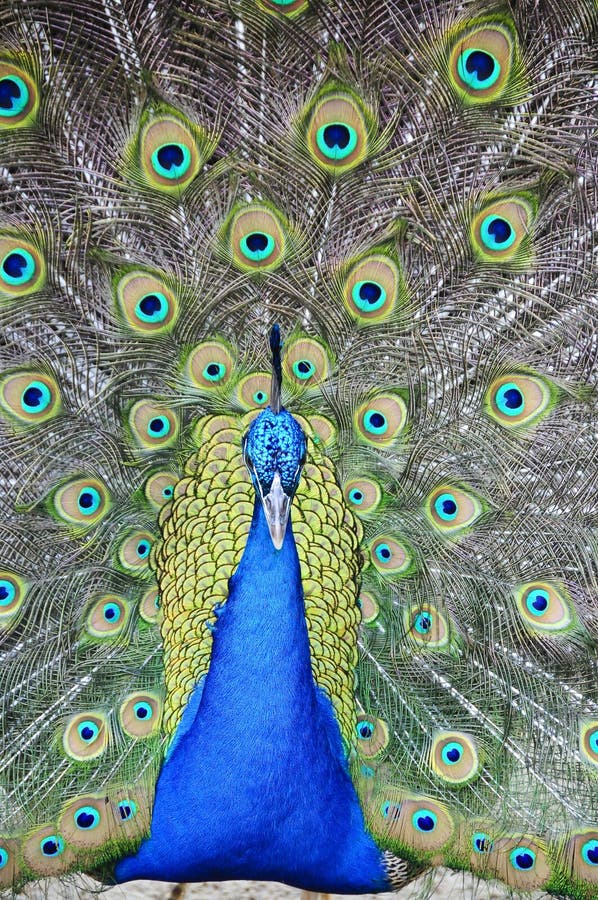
323	614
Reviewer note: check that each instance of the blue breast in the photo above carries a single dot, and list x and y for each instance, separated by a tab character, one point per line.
256	784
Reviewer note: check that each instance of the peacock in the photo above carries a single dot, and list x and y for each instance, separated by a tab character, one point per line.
298	516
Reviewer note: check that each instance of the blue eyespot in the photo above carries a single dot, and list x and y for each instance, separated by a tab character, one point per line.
152	307
365	730
17	267
497	233
452	753
424	820
589	853
482	843
478	69
127	810
88	731
356	496
523	859
158	426
260	397
537	601
171	160
303	369
445	507
8	592
112	612
214	371
390	810
14	96
143	711
336	140
510	400
383	553
368	296
375	422
88	501
167	491
593	741
423	623
52	846
257	245
36	397
143	549
87	818
4	857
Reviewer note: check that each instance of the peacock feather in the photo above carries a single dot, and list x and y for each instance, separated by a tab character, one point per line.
298	412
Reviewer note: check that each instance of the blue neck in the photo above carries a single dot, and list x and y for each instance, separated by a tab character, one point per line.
256	785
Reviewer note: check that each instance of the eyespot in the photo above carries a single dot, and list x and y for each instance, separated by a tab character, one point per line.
257	238
581	856
22	267
12	594
83	501
589	853
363	495
170	152
380	420
390	556
107	617
482	63
589	740
454	757
372	736
498	231
516	401
147	305
306	363
210	365
339	132
9	866
86	735
289	8
29	397
418	823
427	627
140	715
159	488
134	552
127	810
46	853
52	845
452	510
153	427
372	289
482	843
19	97
369	607
543	606
523	859
149	606
254	390
83	821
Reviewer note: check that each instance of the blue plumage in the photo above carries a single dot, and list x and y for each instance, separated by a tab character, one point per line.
256	785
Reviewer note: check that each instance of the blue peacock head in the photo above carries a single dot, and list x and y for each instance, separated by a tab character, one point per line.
274	449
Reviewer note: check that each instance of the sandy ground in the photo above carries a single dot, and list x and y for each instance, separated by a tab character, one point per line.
443	885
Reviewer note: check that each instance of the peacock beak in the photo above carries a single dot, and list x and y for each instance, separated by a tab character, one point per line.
276	505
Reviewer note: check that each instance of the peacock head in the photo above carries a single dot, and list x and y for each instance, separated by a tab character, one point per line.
274	450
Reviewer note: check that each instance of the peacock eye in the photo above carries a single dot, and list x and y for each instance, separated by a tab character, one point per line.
523	859
171	160
257	246
14	95
482	842
478	69
336	140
